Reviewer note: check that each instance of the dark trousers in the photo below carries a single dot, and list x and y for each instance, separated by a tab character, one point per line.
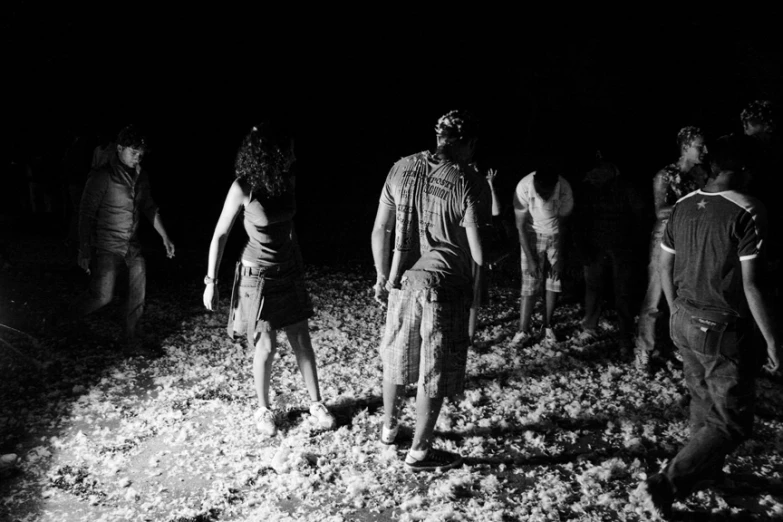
105	268
619	264
720	367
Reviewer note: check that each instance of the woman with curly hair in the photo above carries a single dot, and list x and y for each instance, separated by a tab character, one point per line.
269	290
670	184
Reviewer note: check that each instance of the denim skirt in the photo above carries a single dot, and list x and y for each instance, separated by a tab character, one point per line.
265	299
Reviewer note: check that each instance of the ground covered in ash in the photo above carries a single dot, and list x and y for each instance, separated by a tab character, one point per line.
547	433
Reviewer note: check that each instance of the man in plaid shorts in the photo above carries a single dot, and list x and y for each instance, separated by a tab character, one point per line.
432	204
542	200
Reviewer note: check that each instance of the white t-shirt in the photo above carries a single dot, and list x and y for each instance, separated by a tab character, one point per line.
544	215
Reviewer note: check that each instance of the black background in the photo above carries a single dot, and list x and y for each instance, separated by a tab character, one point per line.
363	87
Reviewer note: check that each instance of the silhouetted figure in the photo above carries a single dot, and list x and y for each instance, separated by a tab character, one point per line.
488	238
76	166
605	224
765	165
13	205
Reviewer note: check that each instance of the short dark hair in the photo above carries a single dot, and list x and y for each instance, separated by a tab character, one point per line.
547	175
728	153
131	136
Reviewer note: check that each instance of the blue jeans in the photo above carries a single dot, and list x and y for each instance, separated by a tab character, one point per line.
104	269
720	366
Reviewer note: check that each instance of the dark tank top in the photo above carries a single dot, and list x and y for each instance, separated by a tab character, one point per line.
269	223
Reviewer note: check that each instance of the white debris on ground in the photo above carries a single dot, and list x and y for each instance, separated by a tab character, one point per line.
547	433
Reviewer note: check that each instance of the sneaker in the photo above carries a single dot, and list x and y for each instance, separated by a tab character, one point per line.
388	436
434	460
641	359
265	422
549	337
8	462
521	338
322	416
655	497
586	336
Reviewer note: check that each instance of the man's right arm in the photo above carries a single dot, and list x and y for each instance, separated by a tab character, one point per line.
521	216
381	249
759	309
660	186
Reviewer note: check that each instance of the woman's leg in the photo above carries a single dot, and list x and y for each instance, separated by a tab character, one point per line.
299	337
266	345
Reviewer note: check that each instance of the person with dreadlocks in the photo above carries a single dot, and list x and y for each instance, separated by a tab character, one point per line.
432	204
542	200
669	184
269	291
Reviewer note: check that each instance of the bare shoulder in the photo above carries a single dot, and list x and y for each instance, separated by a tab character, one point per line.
238	194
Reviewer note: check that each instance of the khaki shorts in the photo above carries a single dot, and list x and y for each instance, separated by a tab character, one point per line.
547	254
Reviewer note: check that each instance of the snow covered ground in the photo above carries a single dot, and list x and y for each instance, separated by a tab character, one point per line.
547	433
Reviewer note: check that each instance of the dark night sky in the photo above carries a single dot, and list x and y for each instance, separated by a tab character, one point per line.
364	89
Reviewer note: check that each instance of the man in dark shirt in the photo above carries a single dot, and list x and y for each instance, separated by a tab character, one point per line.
115	195
606	227
424	241
710	267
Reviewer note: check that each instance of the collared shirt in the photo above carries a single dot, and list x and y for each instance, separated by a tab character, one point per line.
111	204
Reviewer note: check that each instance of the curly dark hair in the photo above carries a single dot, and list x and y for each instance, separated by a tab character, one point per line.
264	160
457	125
131	136
687	135
759	112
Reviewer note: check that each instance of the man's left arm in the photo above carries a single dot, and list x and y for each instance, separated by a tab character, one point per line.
152	212
158	224
759	309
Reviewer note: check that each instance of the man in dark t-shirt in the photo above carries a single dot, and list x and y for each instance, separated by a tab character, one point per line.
710	266
424	241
